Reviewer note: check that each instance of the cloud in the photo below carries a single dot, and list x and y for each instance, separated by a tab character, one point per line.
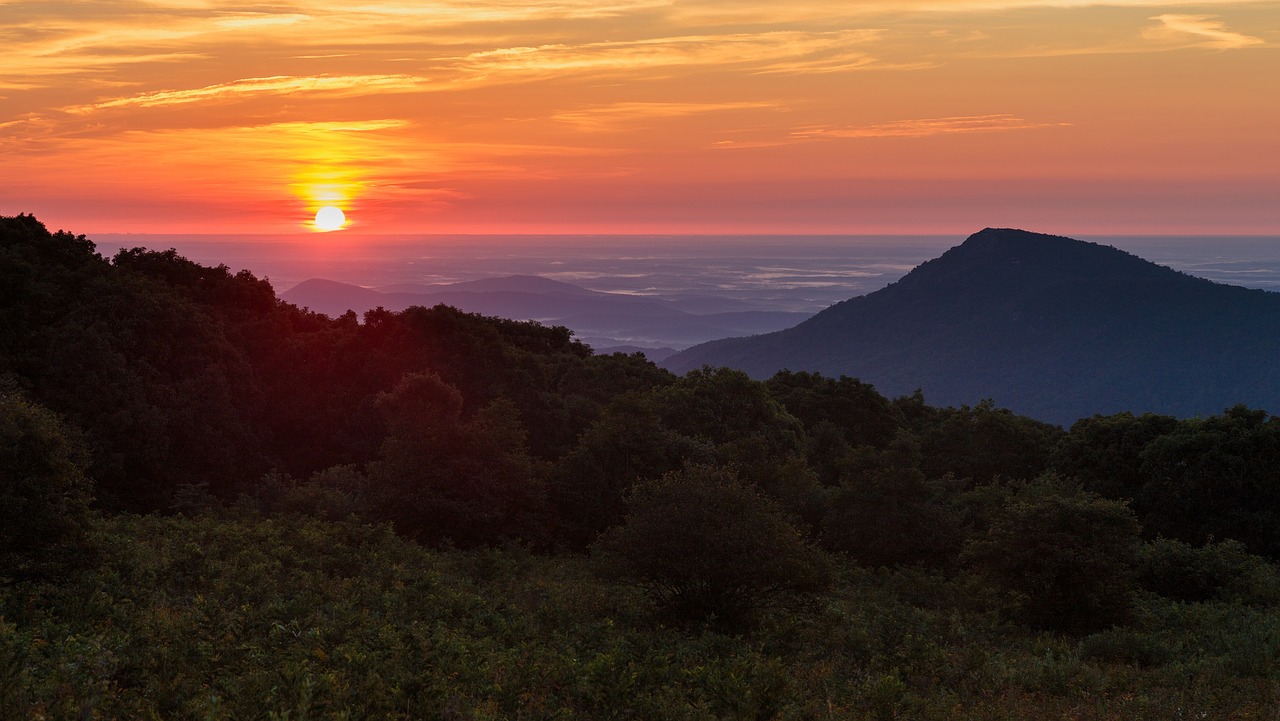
258	19
1203	30
774	51
619	116
925	127
341	85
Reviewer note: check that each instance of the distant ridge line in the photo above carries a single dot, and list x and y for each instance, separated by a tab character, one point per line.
1046	325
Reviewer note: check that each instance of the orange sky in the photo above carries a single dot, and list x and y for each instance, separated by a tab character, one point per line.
579	116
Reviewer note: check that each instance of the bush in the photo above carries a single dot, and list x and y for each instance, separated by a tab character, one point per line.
887	514
1214	571
1066	553
442	477
44	495
710	548
332	494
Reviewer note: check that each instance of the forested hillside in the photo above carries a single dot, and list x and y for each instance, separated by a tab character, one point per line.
1051	327
215	505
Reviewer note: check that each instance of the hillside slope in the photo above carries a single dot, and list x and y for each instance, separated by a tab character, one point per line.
1048	326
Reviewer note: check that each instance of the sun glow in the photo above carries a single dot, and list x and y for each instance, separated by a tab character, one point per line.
330	217
640	116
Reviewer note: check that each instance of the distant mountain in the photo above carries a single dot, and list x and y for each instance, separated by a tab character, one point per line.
1051	327
516	283
607	319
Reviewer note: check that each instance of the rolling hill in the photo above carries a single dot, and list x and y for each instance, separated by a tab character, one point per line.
606	321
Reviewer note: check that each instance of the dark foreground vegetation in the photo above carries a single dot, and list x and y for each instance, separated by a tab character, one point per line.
215	505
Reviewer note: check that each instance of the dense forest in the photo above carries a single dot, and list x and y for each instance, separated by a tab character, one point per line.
217	505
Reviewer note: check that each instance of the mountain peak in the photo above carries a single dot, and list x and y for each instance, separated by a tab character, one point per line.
1049	326
1009	257
1025	243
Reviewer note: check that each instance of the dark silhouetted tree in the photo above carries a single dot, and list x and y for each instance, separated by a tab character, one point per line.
628	443
44	494
444	477
985	442
886	513
1066	553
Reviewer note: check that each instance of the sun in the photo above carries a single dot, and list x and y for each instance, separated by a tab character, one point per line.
330	217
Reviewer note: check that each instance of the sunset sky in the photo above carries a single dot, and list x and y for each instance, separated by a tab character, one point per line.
642	116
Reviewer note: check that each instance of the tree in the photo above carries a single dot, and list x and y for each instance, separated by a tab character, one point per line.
708	547
1066	553
1223	571
1215	478
627	444
985	442
745	427
444	477
44	494
1104	453
838	415
886	513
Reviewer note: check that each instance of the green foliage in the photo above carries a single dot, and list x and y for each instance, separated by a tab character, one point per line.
885	513
984	442
1215	477
44	494
737	418
1192	480
1104	452
1124	645
333	494
628	443
710	548
1067	554
241	617
711	416
1222	571
839	415
442	477
140	365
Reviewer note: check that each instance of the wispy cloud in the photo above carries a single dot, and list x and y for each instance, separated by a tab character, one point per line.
410	100
341	85
1200	30
259	19
829	11
620	116
924	127
775	51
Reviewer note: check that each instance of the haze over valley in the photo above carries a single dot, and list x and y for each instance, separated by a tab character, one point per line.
670	292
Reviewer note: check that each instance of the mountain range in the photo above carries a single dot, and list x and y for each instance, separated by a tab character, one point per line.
606	321
1048	326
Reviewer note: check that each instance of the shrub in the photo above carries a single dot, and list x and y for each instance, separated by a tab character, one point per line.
44	495
1221	571
887	514
445	477
1066	553
710	548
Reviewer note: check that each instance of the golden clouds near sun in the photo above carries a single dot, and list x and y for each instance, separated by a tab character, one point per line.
330	217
